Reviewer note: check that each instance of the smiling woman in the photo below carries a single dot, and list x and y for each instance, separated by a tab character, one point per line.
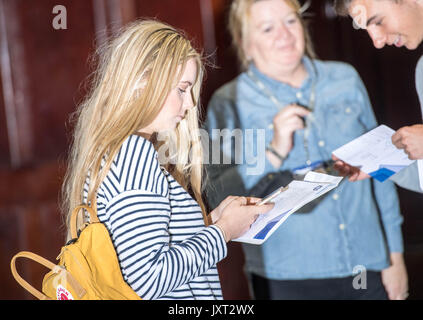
239	26
276	42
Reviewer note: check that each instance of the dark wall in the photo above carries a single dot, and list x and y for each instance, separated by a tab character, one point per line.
43	77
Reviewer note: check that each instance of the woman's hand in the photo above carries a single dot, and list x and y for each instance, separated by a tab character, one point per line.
345	170
235	215
285	123
217	213
395	279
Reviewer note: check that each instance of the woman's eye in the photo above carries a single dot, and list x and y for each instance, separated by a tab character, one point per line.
181	91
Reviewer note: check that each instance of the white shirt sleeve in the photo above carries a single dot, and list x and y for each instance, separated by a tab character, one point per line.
411	178
408	178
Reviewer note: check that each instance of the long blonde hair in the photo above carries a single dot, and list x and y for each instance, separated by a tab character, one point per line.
136	72
238	24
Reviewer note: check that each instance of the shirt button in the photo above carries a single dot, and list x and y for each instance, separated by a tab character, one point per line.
299	95
341	226
321	143
335	196
348	110
270	126
270	176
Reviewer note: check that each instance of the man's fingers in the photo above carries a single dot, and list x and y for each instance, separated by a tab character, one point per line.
398	139
399	144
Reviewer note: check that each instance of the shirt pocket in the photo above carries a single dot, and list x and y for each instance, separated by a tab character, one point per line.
343	123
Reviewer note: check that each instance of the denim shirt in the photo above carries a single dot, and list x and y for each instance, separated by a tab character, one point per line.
355	224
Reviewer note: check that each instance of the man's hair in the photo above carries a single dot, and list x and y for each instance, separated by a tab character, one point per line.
341	6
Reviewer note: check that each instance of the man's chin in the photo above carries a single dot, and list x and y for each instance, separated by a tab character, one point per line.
413	45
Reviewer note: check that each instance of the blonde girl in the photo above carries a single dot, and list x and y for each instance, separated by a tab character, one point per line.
147	85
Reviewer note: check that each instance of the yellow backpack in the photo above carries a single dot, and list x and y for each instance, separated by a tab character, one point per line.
88	268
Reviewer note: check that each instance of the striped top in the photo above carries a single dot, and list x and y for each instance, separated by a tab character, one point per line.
164	249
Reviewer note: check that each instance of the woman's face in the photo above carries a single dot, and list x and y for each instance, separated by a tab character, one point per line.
275	37
179	100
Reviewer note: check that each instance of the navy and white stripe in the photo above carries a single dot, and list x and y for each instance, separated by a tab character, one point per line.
157	228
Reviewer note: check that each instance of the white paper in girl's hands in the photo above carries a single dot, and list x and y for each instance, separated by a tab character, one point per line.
289	199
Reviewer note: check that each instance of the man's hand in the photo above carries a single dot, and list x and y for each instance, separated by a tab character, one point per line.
411	140
395	279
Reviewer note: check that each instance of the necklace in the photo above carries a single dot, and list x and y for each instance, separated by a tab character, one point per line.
307	120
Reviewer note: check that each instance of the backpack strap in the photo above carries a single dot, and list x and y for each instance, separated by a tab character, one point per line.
80	291
32	256
74	216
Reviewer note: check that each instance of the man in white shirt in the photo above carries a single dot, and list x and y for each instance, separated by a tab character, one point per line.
399	23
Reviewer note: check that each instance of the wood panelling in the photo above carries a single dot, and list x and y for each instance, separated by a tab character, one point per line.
41	86
11	238
4	143
30	185
14	84
34	228
58	59
185	15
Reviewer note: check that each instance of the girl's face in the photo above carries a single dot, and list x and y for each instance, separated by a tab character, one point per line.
179	100
275	40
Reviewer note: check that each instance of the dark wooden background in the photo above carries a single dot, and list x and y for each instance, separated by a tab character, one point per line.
42	74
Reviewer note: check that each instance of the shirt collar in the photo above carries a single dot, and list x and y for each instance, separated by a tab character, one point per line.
278	85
